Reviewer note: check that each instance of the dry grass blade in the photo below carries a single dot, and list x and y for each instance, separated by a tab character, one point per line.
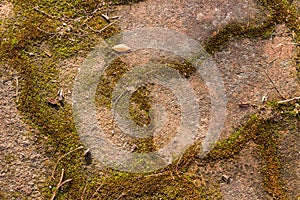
272	82
84	189
43	12
96	191
60	183
105	27
289	100
78	148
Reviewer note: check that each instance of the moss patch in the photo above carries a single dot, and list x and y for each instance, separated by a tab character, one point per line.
69	28
164	185
264	133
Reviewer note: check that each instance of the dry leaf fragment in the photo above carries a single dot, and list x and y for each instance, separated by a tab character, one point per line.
58	100
48	53
121	48
244	105
60	95
52	101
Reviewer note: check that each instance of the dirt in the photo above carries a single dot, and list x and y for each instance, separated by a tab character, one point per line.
290	158
254	71
21	158
238	178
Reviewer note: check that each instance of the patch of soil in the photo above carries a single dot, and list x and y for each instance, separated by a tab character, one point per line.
5	13
22	161
22	164
254	71
238	178
198	19
290	158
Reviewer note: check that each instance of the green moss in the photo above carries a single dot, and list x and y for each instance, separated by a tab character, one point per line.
9	158
70	27
236	142
143	145
185	68
236	30
2	195
118	2
140	101
140	104
271	165
155	186
58	23
108	81
264	133
287	14
281	12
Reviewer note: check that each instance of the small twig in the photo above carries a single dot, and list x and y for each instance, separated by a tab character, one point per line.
288	100
38	28
177	165
114	17
155	175
96	10
289	43
43	12
17	89
60	183
96	191
48	53
123	194
78	18
172	175
81	147
84	189
266	72
107	18
49	33
89	16
105	27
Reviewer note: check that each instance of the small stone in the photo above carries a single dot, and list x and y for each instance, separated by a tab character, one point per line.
121	48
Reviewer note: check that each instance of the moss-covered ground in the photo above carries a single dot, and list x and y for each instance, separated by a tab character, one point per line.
68	27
